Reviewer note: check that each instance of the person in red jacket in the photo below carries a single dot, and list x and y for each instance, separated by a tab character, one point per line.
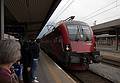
9	54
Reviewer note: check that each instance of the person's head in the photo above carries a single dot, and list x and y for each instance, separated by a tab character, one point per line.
9	51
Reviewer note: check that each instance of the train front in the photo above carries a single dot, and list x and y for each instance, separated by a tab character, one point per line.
82	45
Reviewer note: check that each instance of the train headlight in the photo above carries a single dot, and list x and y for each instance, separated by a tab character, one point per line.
67	47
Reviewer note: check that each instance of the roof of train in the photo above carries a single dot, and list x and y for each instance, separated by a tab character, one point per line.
76	22
72	22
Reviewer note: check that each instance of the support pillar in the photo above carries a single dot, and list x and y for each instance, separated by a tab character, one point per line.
116	39
2	19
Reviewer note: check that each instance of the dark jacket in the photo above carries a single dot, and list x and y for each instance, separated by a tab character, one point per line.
34	50
26	59
7	76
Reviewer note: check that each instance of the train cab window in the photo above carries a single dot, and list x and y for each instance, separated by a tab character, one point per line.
86	32
79	32
72	31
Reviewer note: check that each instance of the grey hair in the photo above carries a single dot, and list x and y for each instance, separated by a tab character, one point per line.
9	51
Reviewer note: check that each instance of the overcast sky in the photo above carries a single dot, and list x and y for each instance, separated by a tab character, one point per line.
87	11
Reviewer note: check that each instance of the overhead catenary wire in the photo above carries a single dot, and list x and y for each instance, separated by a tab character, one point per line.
68	3
101	8
61	11
110	17
101	12
62	7
88	16
57	14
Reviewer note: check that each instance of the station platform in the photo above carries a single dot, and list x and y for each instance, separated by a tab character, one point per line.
107	71
50	72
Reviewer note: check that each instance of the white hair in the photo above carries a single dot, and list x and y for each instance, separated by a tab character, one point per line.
9	51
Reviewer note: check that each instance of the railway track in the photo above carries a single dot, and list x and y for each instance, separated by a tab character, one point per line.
111	62
88	77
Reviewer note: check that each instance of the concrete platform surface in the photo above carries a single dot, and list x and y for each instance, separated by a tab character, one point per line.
106	71
49	72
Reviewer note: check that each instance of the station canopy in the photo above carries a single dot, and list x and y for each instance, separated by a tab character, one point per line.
27	18
110	27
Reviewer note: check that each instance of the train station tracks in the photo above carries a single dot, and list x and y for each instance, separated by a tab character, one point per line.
105	72
111	62
88	77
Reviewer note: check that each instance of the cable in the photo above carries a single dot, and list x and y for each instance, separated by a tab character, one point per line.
61	11
110	17
64	9
102	12
100	9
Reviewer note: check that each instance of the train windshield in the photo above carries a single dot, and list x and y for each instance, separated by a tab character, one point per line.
79	32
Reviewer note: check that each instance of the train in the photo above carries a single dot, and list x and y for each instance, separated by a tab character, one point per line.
72	44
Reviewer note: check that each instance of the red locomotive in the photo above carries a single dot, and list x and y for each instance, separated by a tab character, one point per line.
72	44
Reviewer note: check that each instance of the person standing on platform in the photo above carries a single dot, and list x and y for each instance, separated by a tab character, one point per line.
9	54
26	61
34	50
